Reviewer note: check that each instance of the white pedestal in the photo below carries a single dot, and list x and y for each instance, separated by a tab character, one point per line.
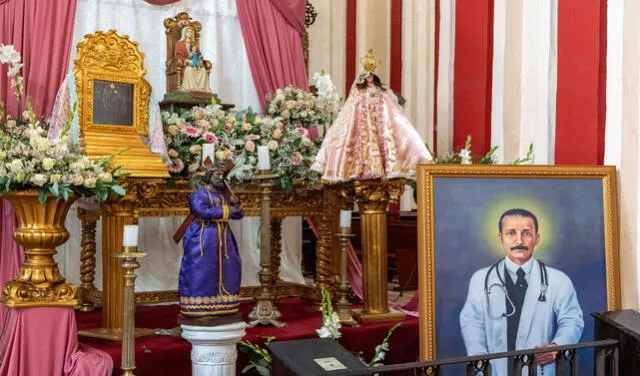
214	348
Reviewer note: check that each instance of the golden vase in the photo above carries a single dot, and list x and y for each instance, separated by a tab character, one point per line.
40	230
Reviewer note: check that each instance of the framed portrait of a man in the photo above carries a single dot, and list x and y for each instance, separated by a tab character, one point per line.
514	258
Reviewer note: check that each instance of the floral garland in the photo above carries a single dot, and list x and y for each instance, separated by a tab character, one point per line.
186	132
294	105
291	130
29	160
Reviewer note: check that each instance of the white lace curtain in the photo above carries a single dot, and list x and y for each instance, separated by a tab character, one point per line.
222	44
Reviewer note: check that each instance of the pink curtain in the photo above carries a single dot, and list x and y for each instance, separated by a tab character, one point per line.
53	348
273	32
11	254
41	32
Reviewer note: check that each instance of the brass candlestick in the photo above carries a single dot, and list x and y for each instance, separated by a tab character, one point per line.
265	311
129	263
343	306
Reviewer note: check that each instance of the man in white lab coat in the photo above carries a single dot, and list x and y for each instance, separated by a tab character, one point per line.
518	302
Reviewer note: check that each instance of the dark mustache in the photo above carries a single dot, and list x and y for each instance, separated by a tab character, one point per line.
520	247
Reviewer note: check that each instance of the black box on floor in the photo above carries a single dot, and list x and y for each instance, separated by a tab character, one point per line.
312	357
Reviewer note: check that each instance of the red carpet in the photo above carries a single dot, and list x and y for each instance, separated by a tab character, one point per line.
168	355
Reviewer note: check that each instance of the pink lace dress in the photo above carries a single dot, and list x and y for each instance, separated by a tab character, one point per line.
370	139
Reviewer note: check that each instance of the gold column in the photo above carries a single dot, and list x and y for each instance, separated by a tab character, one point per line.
115	215
373	198
88	219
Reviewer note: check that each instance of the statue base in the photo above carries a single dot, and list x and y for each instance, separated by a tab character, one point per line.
214	348
209	320
188	99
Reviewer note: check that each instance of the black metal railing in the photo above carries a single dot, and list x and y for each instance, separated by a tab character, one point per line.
605	362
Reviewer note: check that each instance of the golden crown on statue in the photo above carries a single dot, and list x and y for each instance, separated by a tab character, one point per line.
369	61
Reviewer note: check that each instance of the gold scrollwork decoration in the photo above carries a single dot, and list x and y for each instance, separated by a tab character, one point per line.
374	196
112	52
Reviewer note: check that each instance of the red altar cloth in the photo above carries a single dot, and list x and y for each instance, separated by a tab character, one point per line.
168	355
43	341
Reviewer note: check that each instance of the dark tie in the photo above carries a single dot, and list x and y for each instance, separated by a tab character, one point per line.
521	283
516	292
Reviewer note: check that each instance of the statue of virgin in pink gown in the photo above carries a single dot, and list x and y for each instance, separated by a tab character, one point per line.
371	137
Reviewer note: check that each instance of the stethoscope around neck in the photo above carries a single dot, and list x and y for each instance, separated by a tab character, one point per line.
511	309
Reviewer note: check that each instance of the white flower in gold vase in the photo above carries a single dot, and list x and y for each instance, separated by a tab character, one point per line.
15	165
77	179
48	163
76	167
20	176
56	178
89	182
105	177
39	179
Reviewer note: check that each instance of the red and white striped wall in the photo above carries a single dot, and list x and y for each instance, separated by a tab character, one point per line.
506	72
401	32
527	71
563	75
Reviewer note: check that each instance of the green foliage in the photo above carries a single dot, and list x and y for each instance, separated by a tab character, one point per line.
457	158
259	358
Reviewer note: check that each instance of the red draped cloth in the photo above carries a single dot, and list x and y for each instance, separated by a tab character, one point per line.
273	32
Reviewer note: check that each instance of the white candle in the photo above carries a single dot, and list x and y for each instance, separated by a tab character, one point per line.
130	237
345	218
208	150
264	163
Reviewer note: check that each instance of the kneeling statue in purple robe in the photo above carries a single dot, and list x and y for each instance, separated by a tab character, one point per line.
210	271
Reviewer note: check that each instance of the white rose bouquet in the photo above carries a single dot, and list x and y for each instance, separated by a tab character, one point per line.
29	160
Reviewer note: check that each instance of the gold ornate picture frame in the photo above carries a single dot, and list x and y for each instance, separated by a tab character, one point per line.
459	207
113	59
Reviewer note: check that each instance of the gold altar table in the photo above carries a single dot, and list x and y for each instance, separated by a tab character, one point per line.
162	198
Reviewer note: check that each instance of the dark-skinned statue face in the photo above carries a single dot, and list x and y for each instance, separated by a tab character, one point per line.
217	182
